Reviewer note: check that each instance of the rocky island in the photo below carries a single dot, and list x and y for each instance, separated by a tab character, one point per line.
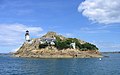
52	45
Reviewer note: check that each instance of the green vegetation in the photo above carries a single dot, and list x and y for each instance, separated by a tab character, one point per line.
43	45
61	45
57	38
88	46
64	44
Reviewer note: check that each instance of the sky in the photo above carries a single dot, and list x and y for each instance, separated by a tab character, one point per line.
94	21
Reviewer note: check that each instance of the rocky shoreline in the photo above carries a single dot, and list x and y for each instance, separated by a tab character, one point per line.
69	53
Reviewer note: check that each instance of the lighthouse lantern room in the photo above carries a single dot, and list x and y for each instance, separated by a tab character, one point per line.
27	36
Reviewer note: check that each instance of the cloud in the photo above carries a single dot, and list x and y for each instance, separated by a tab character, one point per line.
15	49
94	30
101	11
13	34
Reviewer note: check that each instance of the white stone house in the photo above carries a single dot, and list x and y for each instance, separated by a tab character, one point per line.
49	41
73	45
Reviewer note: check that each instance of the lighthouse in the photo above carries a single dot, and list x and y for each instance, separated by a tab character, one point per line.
27	36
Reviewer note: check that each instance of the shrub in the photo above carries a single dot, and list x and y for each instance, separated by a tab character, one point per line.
43	46
89	46
61	45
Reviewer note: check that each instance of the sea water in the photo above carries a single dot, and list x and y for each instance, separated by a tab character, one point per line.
74	66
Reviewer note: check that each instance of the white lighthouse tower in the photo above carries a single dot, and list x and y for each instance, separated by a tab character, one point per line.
27	36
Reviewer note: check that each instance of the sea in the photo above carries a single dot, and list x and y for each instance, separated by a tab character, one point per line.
108	65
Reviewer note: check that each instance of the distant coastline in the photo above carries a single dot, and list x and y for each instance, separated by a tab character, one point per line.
111	52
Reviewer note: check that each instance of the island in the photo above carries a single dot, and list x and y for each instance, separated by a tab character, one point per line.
52	45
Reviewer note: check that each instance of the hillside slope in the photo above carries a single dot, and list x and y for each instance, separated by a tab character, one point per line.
52	45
